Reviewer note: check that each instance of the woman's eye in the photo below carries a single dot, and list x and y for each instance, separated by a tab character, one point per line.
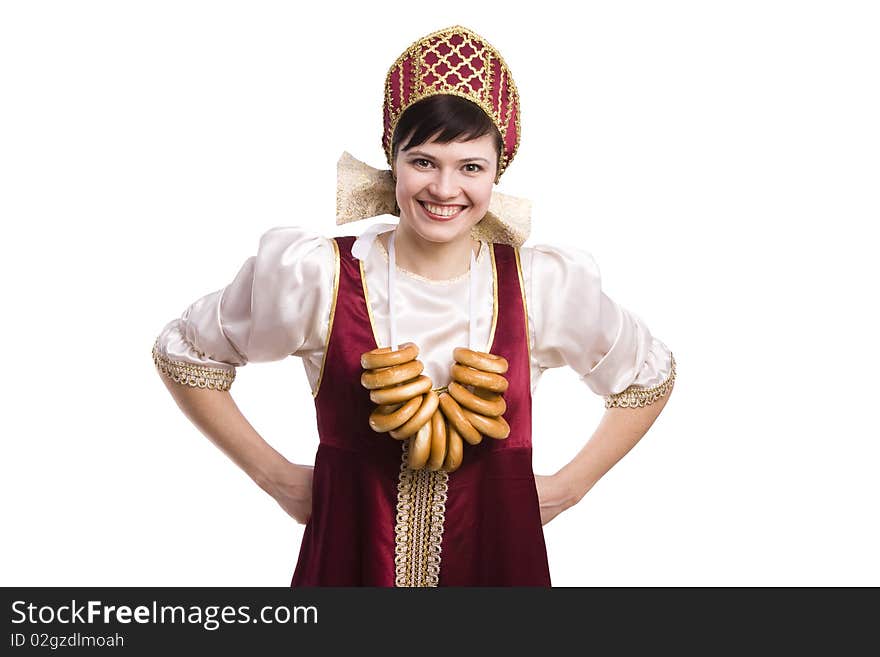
422	163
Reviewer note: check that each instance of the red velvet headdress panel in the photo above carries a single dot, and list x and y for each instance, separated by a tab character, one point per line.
459	62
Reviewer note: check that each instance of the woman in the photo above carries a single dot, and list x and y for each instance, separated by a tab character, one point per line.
452	282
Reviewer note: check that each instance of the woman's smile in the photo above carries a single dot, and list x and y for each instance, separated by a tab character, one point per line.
441	212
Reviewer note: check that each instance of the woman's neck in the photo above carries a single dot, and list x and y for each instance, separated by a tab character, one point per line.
434	260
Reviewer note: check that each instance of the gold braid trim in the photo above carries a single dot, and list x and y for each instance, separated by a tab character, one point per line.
421	514
634	397
196	376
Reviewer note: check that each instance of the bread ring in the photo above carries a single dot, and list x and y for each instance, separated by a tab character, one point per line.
402	392
480	360
420	447
423	415
389	376
384	357
438	441
468	376
494	427
454	448
455	415
490	405
386	418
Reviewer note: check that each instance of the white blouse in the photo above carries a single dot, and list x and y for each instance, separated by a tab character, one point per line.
280	301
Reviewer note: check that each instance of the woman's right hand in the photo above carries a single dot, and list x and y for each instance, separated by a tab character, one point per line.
292	489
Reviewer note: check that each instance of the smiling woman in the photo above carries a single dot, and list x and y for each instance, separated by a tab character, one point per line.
423	342
443	190
445	156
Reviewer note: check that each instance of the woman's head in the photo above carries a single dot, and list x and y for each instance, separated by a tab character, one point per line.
445	165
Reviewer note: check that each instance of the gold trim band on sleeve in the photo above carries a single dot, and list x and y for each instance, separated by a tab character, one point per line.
634	397
195	376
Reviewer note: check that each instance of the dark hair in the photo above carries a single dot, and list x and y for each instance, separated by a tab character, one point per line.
453	117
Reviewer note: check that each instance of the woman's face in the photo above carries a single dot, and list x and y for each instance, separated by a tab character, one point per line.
443	190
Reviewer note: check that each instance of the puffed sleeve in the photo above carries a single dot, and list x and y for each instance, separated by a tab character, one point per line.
573	322
277	305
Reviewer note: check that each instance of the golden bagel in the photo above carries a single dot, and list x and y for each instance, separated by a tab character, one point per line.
494	427
490	405
423	415
455	415
480	360
420	447
389	376
468	376
402	392
385	418
438	441
384	357
454	448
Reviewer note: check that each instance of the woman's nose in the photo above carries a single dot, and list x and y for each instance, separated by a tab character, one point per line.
444	186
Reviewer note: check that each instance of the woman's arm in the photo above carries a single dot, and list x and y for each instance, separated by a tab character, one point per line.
618	432
277	305
217	416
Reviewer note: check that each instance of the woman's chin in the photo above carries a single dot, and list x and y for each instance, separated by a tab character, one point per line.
442	233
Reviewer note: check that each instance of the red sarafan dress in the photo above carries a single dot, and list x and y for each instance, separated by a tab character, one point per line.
377	523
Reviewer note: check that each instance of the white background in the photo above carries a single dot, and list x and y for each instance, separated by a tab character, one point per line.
719	160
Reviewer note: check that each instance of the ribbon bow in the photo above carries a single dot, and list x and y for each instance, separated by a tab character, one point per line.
363	192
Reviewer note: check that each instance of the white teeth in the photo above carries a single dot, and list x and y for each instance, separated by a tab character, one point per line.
441	211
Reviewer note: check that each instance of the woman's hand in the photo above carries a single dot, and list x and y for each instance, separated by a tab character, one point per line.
554	496
291	487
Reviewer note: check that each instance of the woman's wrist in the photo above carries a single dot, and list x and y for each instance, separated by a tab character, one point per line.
270	471
573	487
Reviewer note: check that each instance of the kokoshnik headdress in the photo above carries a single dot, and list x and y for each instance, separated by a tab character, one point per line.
453	61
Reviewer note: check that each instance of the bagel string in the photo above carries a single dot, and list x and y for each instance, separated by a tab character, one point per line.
436	423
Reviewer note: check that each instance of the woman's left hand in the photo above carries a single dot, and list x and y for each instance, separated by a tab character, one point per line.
554	496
